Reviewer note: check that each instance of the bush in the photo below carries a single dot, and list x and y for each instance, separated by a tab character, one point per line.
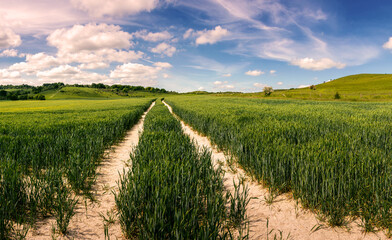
268	91
337	95
312	87
39	97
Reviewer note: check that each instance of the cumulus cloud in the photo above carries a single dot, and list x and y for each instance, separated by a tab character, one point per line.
153	37
69	74
254	73
272	72
9	53
163	65
135	74
9	38
93	65
260	85
6	74
317	64
165	75
35	62
303	86
201	89
100	8
219	83
211	36
164	48
388	45
90	37
188	33
226	75
279	83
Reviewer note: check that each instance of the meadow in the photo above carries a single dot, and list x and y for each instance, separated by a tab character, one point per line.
49	151
334	157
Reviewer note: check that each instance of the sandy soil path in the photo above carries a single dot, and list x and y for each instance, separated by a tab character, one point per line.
284	215
88	222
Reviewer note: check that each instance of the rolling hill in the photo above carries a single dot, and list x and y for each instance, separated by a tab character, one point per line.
360	87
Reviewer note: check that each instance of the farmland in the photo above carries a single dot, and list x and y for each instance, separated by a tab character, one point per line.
172	190
49	152
333	156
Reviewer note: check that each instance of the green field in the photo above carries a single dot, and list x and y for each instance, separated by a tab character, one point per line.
49	151
91	93
333	156
361	87
172	190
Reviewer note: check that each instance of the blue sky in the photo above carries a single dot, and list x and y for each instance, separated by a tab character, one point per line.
187	45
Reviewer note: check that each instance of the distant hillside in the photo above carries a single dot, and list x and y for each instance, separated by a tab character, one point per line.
50	91
360	87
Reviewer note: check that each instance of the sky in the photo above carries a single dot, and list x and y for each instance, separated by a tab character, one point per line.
190	45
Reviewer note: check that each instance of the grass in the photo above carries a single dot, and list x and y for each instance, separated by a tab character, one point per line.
93	93
333	156
172	190
49	151
361	87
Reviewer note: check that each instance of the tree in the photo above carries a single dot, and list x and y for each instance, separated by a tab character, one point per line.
268	90
337	95
312	87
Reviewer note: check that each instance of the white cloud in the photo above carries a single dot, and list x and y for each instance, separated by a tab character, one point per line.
272	72
201	89
388	45
9	53
211	36
228	87
303	86
35	62
93	65
188	33
135	74
69	74
317	64
226	75
90	37
100	8
153	37
254	73
260	85
163	65
6	74
279	83
8	38
164	48
217	83
165	75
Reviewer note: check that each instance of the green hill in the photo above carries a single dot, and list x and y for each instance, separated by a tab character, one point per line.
78	92
360	87
93	93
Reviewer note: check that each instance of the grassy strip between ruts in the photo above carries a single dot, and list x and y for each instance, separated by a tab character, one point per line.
172	190
49	151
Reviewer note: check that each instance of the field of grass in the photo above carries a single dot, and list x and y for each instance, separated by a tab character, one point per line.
92	93
49	151
172	190
333	156
361	87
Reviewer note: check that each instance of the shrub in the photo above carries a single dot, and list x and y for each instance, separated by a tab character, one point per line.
268	90
337	95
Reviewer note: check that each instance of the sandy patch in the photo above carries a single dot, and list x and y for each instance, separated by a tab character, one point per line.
88	222
284	215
